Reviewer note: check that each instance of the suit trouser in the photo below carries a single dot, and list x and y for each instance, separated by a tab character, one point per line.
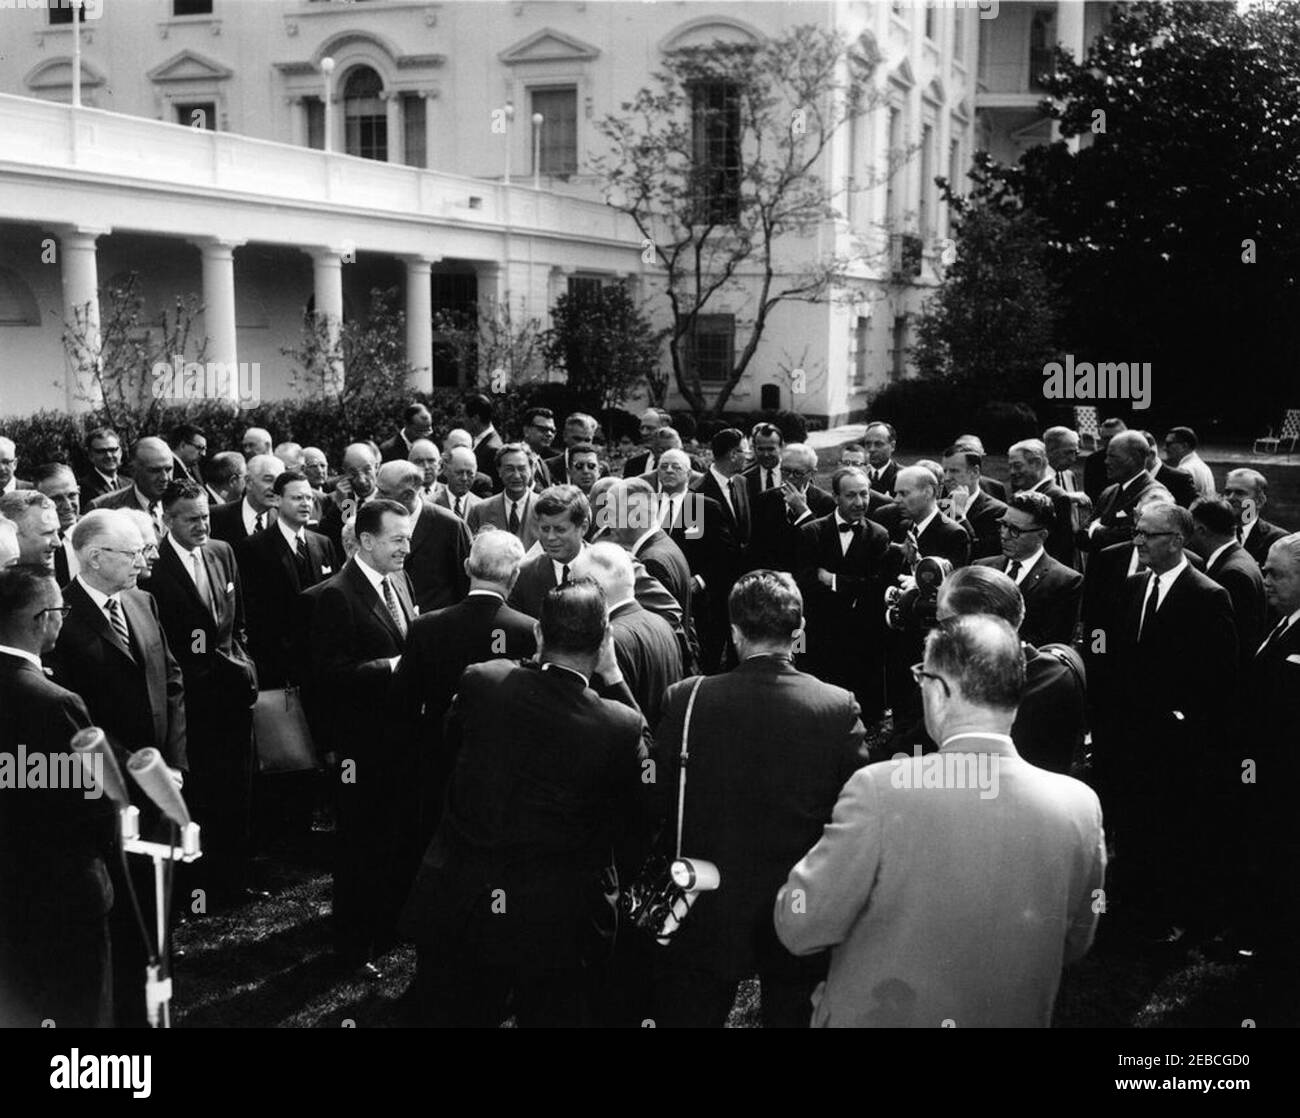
219	790
483	996
699	999
60	973
367	865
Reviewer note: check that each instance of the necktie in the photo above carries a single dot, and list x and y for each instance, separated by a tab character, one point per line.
769	483
304	564
390	600
564	575
155	512
1013	570
1241	533
1274	636
1153	602
118	621
201	583
513	521
260	521
460	510
848	528
1060	478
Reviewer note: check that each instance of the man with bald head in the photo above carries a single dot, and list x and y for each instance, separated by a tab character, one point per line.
291	454
255	511
224	479
652	421
461	471
439	539
778	512
1094	466
151	470
911	885
354	487
8	464
459	437
1029	470
1116	512
316	466
257	440
1170	687
927	530
1247	492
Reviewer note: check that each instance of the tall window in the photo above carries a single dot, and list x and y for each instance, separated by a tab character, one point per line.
191	7
861	335
558	149
925	211
715	143
896	167
1042	59
584	288
197	114
314	107
898	354
711	346
959	34
413	131
365	118
931	21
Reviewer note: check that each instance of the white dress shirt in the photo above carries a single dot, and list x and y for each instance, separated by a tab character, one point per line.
250	516
1217	552
291	537
1202	475
377	581
724	483
101	600
1026	565
924	524
23	654
1162	584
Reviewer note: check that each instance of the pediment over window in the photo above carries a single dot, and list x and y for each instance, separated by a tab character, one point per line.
935	92
865	54
57	74
189	66
548	45
902	74
707	30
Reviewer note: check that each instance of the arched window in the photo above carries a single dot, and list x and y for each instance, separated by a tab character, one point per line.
365	116
17	303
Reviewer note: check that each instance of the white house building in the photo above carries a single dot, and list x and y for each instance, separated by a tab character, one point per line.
286	156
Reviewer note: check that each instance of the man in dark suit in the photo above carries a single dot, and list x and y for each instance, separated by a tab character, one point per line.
55	842
563	515
767	443
1269	896
478	411
844	564
104	449
189	449
351	490
652	421
1214	523
57	482
1116	510
514	508
439	647
778	513
1051	590
360	624
1247	492
1180	483
225	478
972	507
439	539
929	531
200	604
113	652
151	470
512	907
1174	679
1095	474
647	650
881	440
579	465
539	435
1029	472
697	525
37	521
234	522
417	423
723	482
770	748
579	431
973	444
458	494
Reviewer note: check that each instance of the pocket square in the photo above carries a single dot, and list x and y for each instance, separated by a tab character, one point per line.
326	570
230	588
1294	658
1121	515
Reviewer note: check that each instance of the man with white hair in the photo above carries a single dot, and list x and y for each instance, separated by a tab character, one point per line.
257	440
8	464
1246	491
1029	472
113	653
441	645
291	454
644	643
778	512
8	543
461	471
255	511
425	454
458	437
440	541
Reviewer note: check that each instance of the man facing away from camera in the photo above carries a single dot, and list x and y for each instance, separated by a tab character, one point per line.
951	889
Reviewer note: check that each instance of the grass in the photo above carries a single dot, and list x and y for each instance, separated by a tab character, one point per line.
268	964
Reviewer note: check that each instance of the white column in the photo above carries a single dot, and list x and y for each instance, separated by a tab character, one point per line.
327	276
396	137
1069	36
419	320
79	271
219	305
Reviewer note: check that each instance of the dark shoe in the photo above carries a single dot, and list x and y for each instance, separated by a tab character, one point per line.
371	973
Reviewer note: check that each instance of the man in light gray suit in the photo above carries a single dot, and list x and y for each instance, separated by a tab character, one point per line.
951	888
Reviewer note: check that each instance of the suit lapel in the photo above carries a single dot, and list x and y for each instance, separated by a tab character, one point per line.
98	622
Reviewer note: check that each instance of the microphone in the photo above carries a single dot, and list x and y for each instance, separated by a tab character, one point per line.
147	768
91	743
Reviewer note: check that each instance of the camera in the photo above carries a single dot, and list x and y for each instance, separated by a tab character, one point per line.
915	608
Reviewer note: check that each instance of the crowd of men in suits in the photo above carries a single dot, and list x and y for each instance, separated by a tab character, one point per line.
498	647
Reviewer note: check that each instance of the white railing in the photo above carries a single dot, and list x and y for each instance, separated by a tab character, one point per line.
56	137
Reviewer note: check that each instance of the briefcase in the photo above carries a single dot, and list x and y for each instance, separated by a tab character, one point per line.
280	729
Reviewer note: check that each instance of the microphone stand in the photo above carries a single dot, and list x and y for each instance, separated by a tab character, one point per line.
183	847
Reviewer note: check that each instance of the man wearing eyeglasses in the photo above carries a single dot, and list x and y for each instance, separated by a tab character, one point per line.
8	464
778	513
1170	687
104	449
113	653
539	434
55	843
189	449
152	464
1051	590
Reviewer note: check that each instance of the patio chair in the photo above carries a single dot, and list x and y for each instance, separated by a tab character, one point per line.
1085	423
1289	434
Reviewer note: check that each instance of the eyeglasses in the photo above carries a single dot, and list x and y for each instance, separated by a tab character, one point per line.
1152	535
62	611
138	553
1014	532
919	673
